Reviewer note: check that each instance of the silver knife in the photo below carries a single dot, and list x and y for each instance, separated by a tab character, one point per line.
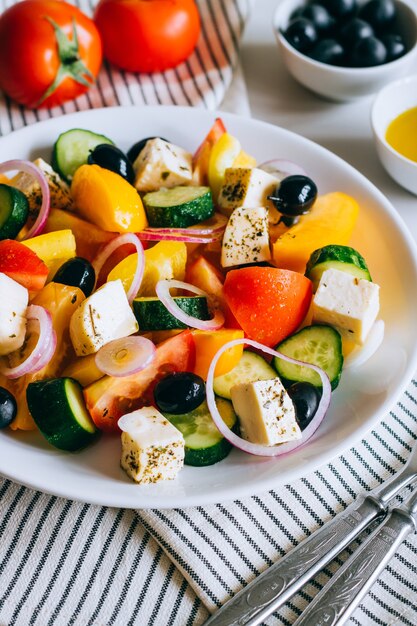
342	594
275	586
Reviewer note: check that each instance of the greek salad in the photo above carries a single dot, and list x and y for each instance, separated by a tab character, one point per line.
187	303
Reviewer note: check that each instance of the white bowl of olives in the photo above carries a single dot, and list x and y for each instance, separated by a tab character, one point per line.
346	49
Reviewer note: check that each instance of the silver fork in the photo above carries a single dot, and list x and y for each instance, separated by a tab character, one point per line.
274	587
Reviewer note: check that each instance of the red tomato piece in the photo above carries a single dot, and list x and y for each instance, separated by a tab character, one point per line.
22	264
151	35
50	52
268	303
109	398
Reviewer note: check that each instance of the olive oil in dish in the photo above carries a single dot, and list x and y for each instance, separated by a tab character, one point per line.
402	133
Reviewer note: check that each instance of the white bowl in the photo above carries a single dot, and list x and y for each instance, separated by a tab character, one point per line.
391	101
346	83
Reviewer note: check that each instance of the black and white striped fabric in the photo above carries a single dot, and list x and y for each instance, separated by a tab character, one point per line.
202	80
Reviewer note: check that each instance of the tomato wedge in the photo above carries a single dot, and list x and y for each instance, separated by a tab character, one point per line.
109	398
22	264
268	303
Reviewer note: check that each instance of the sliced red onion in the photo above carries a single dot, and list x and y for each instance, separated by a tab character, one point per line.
108	250
44	348
125	356
30	168
281	168
215	225
154	235
254	448
361	354
163	288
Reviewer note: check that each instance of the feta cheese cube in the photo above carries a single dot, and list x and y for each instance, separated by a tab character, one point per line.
246	237
102	317
162	164
152	448
266	412
58	188
249	187
14	300
349	303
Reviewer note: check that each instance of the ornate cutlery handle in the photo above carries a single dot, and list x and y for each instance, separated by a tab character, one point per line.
278	583
342	594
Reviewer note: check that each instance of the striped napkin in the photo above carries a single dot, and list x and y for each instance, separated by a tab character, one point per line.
202	80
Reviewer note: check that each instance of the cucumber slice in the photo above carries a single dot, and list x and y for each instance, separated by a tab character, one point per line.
341	258
14	211
72	148
151	314
319	345
204	445
250	368
58	408
178	207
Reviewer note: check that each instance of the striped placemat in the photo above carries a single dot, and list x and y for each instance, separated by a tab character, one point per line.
202	80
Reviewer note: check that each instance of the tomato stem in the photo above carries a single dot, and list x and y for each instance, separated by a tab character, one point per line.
71	65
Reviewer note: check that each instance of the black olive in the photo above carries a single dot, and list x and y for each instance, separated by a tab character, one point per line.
111	158
379	13
8	407
136	149
328	51
354	30
180	392
301	34
395	46
368	53
77	272
319	15
340	9
294	195
305	398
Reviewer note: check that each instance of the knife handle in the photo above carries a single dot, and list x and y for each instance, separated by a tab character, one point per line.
279	582
342	594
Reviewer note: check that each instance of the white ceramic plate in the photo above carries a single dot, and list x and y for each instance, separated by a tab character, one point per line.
363	397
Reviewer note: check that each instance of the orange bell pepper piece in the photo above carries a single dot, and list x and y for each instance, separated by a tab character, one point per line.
208	342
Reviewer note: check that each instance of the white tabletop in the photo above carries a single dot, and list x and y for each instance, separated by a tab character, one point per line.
343	128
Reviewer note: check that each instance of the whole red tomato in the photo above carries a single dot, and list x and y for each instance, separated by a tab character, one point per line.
50	52
147	35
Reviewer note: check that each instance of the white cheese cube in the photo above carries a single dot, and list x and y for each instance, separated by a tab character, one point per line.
246	237
161	164
14	300
266	412
58	188
349	303
249	187
152	448
102	317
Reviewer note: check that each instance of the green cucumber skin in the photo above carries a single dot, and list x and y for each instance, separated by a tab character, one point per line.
213	447
290	373
14	211
48	404
188	213
251	367
151	314
83	141
338	257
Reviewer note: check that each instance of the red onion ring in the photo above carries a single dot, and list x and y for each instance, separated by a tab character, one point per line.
44	348
254	448
108	250
281	168
125	356
154	235
163	288
217	225
29	168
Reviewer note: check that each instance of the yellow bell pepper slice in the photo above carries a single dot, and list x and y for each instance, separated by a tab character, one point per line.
53	248
223	154
107	200
208	342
